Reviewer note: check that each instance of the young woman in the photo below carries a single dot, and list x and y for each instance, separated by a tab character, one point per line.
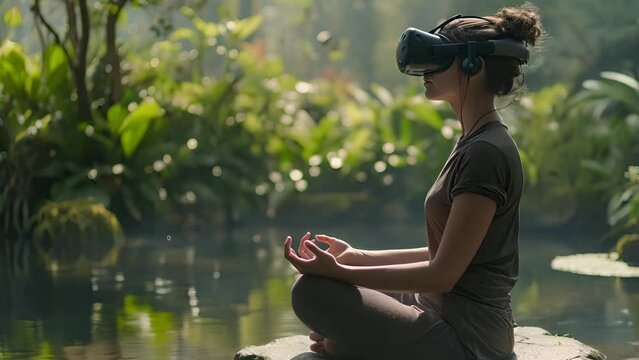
450	300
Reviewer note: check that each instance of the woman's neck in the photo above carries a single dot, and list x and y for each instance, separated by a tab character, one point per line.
475	112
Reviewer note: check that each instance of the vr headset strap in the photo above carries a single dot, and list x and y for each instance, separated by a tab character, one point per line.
500	47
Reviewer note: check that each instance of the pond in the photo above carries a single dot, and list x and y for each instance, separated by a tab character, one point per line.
176	297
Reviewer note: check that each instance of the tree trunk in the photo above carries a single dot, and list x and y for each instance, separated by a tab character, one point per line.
84	100
114	93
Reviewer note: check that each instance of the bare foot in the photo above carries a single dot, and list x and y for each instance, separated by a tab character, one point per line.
318	342
321	345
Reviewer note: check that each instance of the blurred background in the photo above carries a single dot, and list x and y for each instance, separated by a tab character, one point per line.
154	154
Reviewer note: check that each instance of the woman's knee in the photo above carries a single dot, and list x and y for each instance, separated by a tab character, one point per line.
304	290
311	293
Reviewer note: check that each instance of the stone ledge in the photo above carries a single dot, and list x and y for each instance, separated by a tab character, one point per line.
531	343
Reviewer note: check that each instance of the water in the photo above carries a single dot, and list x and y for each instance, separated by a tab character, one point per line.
206	298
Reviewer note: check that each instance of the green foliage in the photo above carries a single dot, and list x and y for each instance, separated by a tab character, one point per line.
69	231
549	154
190	144
134	126
183	143
572	143
623	208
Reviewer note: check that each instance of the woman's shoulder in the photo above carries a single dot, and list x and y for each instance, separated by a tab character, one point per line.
496	137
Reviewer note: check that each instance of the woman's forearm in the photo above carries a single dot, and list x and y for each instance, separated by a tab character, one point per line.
411	277
390	257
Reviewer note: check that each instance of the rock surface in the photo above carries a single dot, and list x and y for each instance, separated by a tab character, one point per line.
531	343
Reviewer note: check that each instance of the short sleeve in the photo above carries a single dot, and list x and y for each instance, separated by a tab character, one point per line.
483	170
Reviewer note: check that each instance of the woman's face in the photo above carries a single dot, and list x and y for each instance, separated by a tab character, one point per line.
444	85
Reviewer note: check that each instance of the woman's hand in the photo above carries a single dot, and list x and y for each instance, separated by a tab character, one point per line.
314	260
340	249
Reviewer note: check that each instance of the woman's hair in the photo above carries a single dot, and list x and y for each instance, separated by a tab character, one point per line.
520	23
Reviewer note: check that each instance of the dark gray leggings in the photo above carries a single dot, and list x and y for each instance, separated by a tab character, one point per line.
368	324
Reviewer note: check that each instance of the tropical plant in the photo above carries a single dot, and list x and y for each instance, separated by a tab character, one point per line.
571	143
548	151
623	208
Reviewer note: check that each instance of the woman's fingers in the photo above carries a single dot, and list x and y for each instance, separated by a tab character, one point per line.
291	256
300	248
287	247
289	253
304	251
325	239
312	247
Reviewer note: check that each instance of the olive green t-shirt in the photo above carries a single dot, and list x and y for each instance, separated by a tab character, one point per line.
478	307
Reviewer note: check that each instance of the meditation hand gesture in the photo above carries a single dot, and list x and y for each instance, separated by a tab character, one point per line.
312	260
340	249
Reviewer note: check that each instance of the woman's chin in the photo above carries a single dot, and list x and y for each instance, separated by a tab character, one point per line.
429	96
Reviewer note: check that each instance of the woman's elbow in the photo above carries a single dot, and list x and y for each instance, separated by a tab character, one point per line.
441	282
446	286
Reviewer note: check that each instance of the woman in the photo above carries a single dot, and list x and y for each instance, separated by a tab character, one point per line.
450	300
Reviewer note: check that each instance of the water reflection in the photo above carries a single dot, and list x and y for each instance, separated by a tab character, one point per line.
202	298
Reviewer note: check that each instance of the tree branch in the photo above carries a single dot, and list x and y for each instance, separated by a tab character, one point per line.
86	29
38	15
43	43
114	93
72	31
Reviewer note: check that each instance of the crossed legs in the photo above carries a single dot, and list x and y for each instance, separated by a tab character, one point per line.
353	322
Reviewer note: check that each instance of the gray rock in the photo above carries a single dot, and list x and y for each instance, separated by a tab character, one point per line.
531	343
537	343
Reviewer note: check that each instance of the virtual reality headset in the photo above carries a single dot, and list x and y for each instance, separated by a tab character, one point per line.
422	53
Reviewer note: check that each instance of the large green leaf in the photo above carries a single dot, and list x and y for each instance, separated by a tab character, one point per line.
56	69
622	79
613	88
136	124
115	116
13	72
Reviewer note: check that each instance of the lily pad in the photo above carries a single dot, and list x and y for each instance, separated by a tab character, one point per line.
595	264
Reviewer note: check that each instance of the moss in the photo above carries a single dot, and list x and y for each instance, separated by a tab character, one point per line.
628	249
79	229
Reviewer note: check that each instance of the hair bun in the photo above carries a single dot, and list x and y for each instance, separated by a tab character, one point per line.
522	23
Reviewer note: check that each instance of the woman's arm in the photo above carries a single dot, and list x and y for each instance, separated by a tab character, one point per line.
469	219
348	255
389	257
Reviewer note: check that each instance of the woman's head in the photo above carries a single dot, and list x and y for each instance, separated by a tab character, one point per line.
520	23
